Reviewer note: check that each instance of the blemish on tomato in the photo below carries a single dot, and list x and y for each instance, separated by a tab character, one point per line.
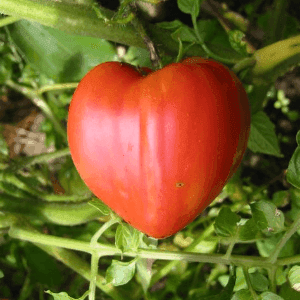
179	184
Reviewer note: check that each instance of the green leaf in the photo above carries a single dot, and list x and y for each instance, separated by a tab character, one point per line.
65	296
71	181
1	274
270	296
127	237
144	272
228	291
293	171
170	25
61	56
191	7
281	198
287	293
259	282
249	231
99	205
294	278
120	273
185	34
226	223
138	57
262	135
267	217
237	41
267	246
43	268
242	295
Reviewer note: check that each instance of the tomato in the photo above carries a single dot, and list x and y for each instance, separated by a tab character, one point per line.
158	147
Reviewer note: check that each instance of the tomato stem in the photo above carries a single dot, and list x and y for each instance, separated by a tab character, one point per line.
41	103
206	49
154	56
248	280
287	235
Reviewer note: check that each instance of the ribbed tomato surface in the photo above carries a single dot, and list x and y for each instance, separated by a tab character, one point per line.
158	148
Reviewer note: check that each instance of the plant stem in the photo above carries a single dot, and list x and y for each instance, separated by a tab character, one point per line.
78	265
293	228
40	103
94	272
108	250
8	20
56	87
154	57
96	256
203	45
41	158
162	272
272	278
105	226
248	280
243	64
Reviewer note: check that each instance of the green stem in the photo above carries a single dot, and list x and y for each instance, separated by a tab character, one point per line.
287	235
40	103
105	226
244	64
56	87
162	272
207	50
248	280
80	266
272	278
41	158
154	57
108	250
8	20
96	256
94	273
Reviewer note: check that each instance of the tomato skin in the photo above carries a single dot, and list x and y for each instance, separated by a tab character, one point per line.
158	148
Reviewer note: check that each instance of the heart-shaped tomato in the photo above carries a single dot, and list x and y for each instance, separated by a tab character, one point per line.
158	147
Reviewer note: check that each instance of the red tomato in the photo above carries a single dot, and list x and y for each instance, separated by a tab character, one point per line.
158	147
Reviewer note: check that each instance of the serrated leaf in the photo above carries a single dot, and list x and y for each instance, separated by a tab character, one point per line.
267	217
294	278
191	7
65	296
185	34
262	135
248	231
61	56
259	282
120	273
127	238
144	272
226	223
270	296
293	171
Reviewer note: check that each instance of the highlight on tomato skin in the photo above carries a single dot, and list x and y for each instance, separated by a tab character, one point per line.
157	148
